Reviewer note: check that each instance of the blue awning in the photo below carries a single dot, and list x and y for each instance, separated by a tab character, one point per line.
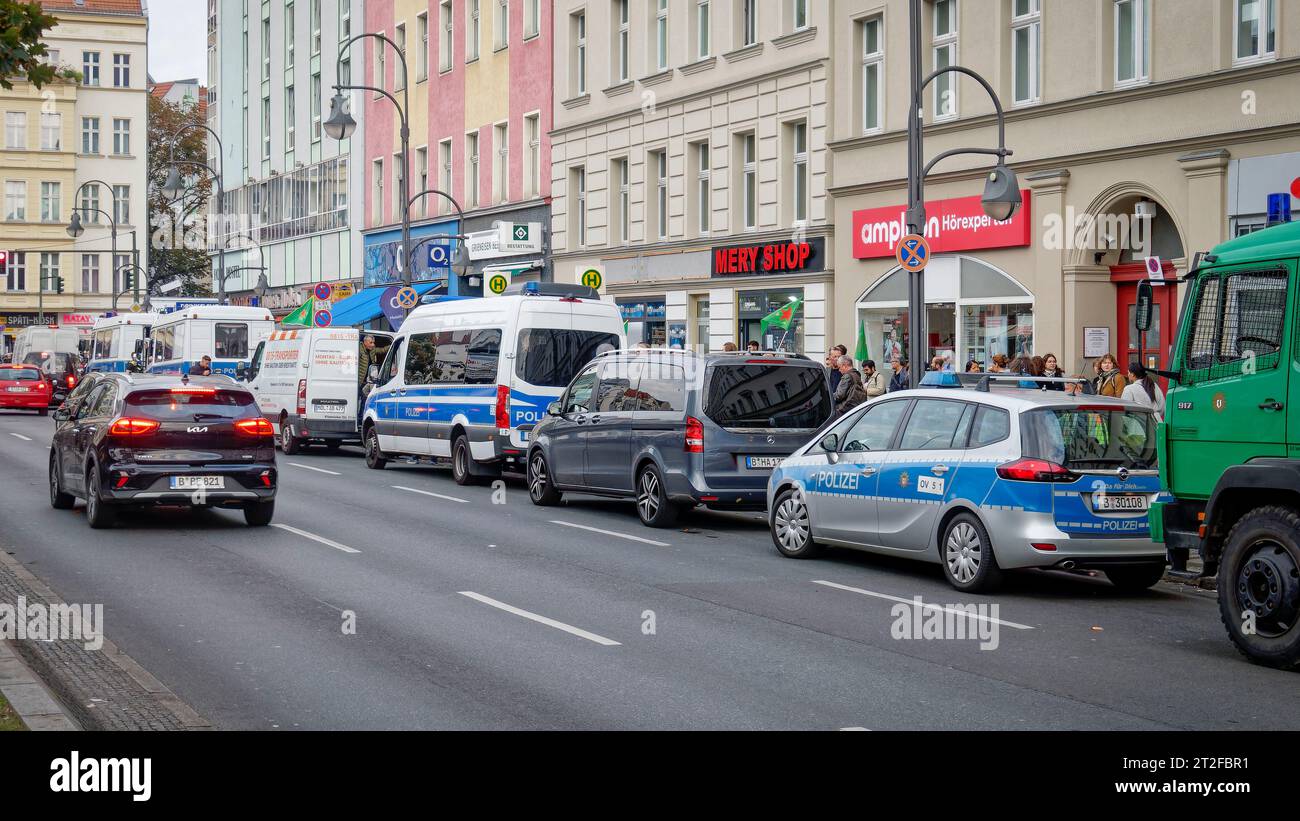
364	306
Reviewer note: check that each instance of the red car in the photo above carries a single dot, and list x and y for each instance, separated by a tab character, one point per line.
24	387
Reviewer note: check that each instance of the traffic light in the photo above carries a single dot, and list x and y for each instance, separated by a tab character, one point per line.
58	283
4	259
128	280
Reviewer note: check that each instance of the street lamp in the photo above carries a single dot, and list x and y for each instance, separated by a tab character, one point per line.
1000	201
77	227
174	186
341	125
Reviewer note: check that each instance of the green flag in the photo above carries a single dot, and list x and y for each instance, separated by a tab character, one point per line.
863	353
301	318
782	317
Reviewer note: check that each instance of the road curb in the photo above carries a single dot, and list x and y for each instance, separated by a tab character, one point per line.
137	699
29	697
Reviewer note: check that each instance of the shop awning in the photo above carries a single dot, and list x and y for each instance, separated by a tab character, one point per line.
362	307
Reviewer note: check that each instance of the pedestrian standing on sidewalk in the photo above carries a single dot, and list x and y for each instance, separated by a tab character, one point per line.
900	381
1144	391
850	393
873	381
833	365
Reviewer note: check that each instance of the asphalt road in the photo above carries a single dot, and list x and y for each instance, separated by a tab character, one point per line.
479	612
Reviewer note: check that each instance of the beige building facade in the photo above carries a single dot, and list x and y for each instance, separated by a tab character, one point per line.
689	165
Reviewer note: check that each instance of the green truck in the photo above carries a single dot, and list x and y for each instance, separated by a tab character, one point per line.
1229	447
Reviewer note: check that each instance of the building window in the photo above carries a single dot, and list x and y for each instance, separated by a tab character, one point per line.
288	35
1026	49
90	273
290	119
49	271
16	130
51	201
659	165
945	56
422	63
473	30
800	15
90	204
703	29
703	189
447	27
381	65
748	20
444	169
315	107
16	275
749	181
377	192
90	68
121	136
622	203
121	70
89	135
51	132
16	200
578	25
503	23
798	133
472	179
399	37
661	35
1254	29
622	41
422	179
578	183
266	128
315	27
873	69
532	18
122	204
266	49
533	166
1132	41
501	176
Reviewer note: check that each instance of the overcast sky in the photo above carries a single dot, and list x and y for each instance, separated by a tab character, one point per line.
178	39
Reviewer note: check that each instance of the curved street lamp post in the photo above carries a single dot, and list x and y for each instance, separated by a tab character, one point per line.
174	186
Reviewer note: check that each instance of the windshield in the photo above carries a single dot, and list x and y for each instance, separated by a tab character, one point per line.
52	362
194	404
20	374
790	397
1091	438
550	358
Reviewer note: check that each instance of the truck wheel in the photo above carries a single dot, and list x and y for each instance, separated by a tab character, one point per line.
1259	586
374	456
288	443
1136	579
462	462
967	555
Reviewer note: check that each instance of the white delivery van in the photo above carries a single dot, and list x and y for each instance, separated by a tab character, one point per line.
467	381
43	338
307	384
227	333
113	340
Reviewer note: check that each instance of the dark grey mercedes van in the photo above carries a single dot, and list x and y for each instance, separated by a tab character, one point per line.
676	429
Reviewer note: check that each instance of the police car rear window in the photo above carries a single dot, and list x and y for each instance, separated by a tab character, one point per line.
1091	438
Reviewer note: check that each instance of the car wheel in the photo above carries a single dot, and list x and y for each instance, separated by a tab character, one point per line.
374	456
99	514
1259	587
967	555
1136	579
652	504
259	514
462	462
288	443
540	489
791	526
58	499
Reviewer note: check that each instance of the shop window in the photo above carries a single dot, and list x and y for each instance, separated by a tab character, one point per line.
755	305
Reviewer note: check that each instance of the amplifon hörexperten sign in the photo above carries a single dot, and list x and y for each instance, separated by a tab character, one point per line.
951	225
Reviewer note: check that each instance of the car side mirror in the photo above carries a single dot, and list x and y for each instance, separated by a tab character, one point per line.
1143	309
830	442
373	373
61	414
554	409
241	371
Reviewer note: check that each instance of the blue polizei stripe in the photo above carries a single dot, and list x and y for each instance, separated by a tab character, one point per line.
107	366
443	403
227	367
1074	512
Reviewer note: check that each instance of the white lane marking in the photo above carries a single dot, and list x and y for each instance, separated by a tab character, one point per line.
434	495
318	470
558	625
901	600
611	533
20	436
315	538
854	730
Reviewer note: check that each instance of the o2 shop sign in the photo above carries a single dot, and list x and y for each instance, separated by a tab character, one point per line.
950	225
775	258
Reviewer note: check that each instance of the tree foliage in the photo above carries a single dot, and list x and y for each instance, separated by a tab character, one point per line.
179	242
22	26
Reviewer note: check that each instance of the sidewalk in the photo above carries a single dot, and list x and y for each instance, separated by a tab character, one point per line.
60	685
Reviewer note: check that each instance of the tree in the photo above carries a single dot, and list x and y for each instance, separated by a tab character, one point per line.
21	27
179	242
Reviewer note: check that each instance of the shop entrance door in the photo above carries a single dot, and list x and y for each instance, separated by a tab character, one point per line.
1155	348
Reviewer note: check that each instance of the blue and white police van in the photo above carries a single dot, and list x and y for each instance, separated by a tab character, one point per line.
979	481
114	338
227	333
467	381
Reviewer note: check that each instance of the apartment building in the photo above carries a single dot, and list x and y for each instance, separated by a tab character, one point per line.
1141	128
76	145
476	81
689	165
292	193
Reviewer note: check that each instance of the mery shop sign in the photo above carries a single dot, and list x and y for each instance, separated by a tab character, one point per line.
951	225
773	258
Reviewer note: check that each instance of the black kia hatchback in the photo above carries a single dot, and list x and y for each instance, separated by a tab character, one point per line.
147	440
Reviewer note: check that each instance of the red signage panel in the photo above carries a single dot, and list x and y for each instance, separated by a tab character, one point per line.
951	225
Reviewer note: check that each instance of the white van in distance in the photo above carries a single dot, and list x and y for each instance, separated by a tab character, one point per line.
114	338
468	380
227	333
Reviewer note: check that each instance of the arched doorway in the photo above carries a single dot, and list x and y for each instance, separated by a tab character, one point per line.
973	311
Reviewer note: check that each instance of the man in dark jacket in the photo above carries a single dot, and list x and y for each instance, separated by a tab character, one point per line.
850	392
901	381
833	365
367	358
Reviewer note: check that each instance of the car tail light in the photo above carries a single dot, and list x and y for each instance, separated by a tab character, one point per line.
196	391
133	426
1035	470
502	409
257	426
72	380
122	479
694	435
40	386
266	478
302	397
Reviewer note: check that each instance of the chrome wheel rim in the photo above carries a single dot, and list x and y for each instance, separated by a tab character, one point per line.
54	481
647	501
537	477
461	467
372	446
963	552
790	524
92	495
285	438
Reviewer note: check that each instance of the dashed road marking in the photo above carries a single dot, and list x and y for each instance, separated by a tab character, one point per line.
318	470
558	625
315	538
20	436
901	600
434	495
613	533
